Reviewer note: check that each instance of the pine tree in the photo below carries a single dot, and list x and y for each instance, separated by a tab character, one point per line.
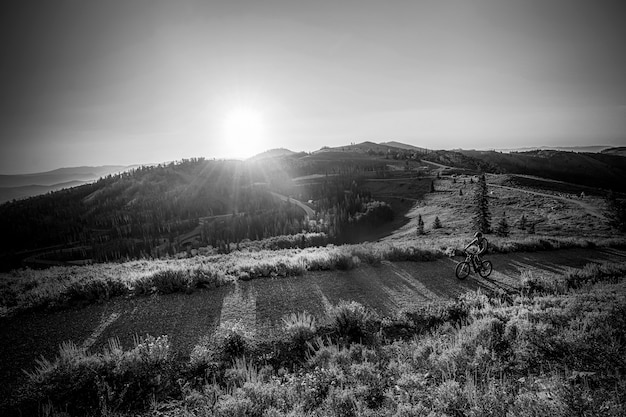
482	217
437	223
420	225
522	223
503	227
616	212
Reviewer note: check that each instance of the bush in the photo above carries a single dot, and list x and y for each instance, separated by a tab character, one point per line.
83	383
217	352
352	322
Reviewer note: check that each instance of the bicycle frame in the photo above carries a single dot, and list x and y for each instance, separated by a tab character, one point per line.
484	270
471	259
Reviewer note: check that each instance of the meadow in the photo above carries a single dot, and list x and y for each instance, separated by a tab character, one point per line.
74	286
555	348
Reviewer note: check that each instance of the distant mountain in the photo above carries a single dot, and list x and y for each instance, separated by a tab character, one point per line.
587	149
375	148
25	191
28	185
272	153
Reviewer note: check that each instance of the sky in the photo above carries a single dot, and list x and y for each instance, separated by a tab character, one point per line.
131	82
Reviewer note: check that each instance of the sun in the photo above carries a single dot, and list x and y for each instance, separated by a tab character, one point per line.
244	132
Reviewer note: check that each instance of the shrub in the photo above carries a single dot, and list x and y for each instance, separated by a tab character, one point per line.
300	326
424	318
217	352
206	276
352	322
83	383
171	280
96	289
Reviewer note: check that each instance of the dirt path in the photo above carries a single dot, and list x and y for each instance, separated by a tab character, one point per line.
588	207
308	210
258	303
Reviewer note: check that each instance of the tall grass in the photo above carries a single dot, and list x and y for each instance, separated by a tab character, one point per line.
59	287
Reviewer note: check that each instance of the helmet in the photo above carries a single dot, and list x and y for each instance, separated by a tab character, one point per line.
478	234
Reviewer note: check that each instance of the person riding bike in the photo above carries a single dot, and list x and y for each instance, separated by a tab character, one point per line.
481	244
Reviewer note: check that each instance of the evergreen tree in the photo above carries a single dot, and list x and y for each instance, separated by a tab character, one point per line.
420	225
502	229
482	217
616	212
437	223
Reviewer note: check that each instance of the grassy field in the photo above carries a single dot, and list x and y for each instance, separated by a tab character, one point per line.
557	347
560	215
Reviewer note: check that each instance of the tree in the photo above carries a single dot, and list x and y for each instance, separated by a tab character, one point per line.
482	217
616	212
522	223
502	229
420	225
437	223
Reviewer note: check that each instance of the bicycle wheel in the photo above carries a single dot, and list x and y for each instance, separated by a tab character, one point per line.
462	270
486	269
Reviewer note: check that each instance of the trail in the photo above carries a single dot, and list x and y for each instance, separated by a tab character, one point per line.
185	318
588	207
308	210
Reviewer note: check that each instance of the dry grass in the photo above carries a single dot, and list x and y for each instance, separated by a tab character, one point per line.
555	216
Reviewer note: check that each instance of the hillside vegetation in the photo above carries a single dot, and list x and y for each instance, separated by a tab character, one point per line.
598	170
159	210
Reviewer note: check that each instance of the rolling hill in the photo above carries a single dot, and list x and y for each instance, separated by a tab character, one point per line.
598	170
26	185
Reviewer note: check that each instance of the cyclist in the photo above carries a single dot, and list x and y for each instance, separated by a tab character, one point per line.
481	244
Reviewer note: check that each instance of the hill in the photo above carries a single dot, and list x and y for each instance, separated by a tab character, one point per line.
400	145
380	149
620	150
25	191
272	153
62	175
141	212
586	149
26	185
162	210
598	170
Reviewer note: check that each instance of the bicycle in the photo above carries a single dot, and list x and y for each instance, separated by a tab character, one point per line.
464	268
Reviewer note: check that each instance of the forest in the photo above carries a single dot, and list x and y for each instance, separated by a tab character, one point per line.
144	212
